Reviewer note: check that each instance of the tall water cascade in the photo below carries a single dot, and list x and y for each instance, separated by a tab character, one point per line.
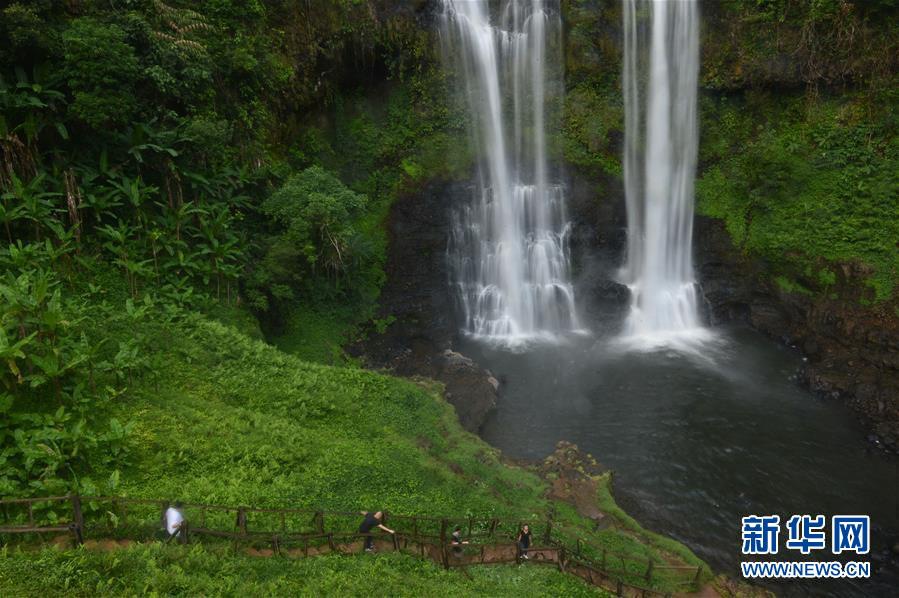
508	246
661	138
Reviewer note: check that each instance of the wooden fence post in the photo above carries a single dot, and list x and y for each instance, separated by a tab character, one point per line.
649	571
242	520
241	525
619	589
78	519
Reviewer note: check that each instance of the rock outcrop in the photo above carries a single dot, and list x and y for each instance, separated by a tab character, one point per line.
572	475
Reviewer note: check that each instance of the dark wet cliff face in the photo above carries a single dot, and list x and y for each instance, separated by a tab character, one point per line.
599	236
418	309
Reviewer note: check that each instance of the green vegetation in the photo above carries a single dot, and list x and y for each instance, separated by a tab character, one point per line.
316	217
301	434
636	531
174	570
593	115
799	138
806	184
170	151
382	144
58	381
227	419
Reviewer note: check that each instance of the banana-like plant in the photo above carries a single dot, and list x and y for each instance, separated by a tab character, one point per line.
34	202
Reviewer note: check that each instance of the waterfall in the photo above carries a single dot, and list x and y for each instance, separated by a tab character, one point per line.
508	246
661	138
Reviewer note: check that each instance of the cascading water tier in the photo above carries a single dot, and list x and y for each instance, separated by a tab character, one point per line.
508	247
661	140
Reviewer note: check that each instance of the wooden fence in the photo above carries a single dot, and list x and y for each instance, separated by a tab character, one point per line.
307	532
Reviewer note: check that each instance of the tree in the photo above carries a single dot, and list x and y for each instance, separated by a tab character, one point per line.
318	212
102	70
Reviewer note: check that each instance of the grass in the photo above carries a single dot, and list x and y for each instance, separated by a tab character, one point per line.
156	569
318	334
627	523
218	416
302	434
227	419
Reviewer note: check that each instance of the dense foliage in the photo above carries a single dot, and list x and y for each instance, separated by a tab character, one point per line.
317	220
174	143
808	186
799	139
58	383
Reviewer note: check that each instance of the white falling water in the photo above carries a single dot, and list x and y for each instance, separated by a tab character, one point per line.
661	138
508	246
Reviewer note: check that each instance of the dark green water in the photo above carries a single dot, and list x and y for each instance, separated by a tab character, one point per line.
699	440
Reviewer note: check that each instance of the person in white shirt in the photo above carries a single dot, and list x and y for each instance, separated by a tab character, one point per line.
174	519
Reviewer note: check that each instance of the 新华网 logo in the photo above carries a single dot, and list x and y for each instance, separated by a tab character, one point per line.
806	534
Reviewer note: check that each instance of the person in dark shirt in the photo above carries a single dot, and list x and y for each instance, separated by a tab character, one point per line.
524	541
371	521
456	541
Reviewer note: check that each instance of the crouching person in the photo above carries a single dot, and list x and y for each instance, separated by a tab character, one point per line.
371	521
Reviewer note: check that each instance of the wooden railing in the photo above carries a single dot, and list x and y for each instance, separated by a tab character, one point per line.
306	532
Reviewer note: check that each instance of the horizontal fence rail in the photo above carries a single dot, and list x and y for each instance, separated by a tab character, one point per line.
292	532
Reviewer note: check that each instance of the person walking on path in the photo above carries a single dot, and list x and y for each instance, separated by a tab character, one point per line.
524	541
174	520
371	521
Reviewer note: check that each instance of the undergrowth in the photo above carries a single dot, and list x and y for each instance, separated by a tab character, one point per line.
191	571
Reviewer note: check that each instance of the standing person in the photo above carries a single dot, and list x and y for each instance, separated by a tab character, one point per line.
371	521
174	520
524	541
456	541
